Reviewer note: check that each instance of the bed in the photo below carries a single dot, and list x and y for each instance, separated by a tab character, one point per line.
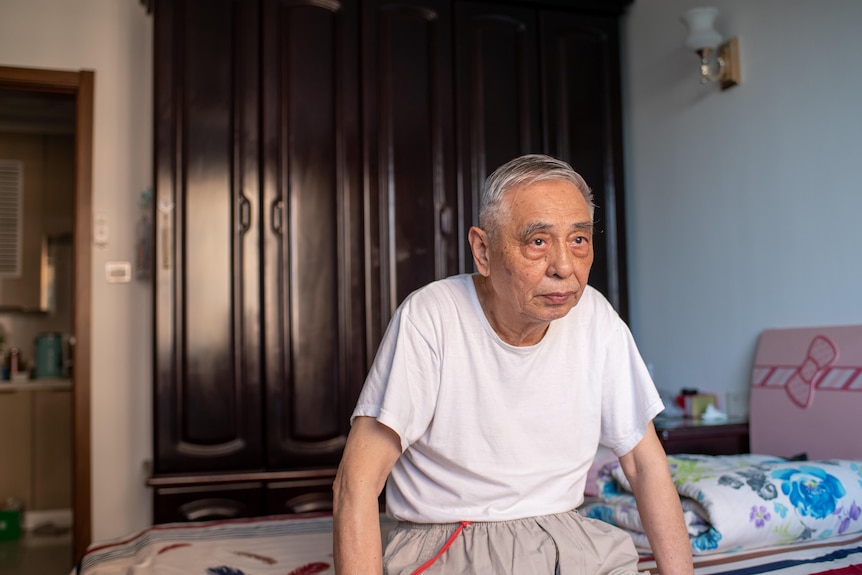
282	545
792	507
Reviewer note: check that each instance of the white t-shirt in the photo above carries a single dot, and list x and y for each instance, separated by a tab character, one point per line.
491	431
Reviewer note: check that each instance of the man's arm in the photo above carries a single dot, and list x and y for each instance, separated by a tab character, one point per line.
659	507
369	455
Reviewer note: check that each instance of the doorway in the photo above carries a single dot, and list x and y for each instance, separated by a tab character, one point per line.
79	84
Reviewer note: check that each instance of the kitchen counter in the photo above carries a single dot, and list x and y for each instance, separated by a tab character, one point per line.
41	384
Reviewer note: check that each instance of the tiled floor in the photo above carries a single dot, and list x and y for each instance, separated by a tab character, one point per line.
37	555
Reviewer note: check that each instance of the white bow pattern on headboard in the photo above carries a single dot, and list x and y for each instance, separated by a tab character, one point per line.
815	372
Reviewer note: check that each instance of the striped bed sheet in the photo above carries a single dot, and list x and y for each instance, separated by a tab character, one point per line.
275	545
291	545
835	556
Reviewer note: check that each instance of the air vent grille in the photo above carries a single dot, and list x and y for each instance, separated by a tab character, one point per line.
11	201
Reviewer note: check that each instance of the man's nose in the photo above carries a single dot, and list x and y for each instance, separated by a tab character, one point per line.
560	260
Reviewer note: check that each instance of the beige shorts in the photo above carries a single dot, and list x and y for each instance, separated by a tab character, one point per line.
561	544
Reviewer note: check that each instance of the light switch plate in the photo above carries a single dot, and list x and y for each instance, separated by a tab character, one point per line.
100	230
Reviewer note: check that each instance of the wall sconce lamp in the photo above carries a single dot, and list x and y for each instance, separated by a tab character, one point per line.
704	39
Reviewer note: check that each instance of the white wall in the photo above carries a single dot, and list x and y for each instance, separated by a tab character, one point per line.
112	38
744	206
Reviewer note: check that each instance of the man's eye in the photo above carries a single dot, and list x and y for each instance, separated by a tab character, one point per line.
538	242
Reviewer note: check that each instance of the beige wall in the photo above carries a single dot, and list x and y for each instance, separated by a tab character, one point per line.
112	38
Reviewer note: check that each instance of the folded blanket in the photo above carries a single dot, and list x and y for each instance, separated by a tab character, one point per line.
734	502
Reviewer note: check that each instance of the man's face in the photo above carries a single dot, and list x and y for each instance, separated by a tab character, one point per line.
540	259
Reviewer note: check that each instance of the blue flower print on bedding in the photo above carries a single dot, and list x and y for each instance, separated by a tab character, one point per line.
223	570
602	513
812	491
609	488
858	469
744	501
781	510
706	541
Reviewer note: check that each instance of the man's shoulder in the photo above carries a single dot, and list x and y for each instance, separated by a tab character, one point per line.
456	286
595	314
593	303
444	294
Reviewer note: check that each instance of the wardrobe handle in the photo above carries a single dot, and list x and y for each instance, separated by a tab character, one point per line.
277	208
244	215
212	508
446	220
166	208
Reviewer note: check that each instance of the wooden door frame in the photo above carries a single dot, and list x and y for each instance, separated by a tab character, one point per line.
81	84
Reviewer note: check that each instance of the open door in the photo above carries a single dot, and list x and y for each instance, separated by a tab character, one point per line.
81	85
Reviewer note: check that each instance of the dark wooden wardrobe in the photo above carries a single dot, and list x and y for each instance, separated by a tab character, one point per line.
315	162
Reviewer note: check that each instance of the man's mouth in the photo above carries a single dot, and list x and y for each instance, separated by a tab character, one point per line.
558	298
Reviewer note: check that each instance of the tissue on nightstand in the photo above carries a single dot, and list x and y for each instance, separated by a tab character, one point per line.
711	413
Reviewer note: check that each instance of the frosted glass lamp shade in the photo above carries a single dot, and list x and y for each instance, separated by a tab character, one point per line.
701	30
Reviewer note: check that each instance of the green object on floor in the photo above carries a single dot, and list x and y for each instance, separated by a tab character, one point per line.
10	524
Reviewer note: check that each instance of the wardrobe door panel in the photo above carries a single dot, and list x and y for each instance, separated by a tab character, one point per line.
313	233
207	402
497	93
582	126
408	138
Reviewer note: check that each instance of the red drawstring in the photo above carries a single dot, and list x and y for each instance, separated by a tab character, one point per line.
446	546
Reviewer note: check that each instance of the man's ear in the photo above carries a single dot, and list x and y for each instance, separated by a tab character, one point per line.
478	239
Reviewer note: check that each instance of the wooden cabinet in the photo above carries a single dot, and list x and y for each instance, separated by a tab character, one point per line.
52	449
693	436
35	440
315	162
15	426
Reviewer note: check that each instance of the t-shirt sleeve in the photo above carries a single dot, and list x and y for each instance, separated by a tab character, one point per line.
401	388
629	397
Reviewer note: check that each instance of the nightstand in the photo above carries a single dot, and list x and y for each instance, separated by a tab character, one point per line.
679	435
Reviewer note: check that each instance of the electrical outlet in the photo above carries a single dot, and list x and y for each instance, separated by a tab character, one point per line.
118	272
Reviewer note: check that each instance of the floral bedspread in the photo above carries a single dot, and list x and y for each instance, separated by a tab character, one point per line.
740	502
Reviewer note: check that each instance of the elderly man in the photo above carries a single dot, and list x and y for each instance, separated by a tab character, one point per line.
488	398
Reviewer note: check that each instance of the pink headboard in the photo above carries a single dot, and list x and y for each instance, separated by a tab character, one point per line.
806	393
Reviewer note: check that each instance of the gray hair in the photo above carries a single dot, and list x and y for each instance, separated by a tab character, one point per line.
524	171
